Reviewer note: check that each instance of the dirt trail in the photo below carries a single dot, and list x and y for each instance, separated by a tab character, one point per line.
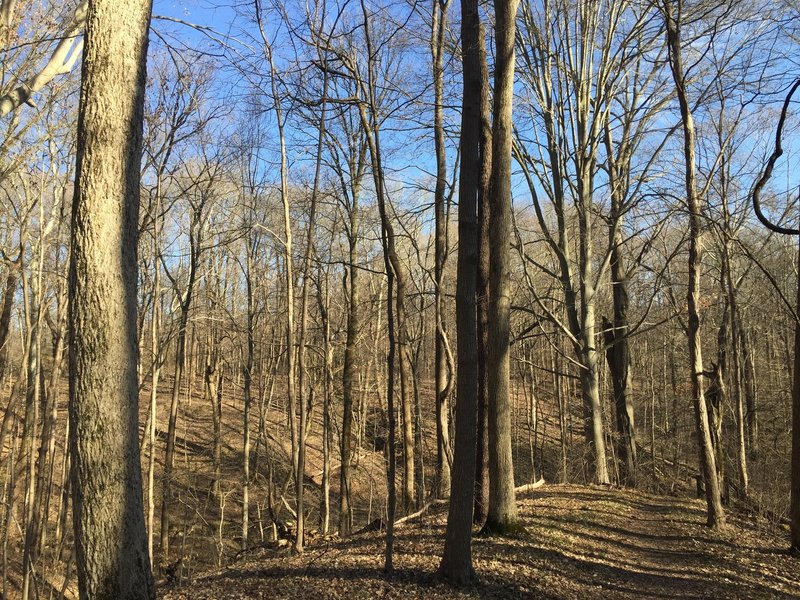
583	543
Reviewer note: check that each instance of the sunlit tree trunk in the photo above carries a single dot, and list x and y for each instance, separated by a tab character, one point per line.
110	535
502	514
716	516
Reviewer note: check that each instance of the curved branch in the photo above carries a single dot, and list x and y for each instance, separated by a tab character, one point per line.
776	154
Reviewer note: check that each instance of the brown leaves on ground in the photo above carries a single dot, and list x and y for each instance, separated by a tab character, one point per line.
582	543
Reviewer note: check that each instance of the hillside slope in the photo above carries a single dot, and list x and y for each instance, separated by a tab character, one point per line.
583	542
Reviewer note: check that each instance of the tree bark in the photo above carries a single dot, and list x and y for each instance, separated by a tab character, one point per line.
484	210
456	565
110	535
502	515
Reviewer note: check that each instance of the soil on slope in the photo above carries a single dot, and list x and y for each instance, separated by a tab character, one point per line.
582	542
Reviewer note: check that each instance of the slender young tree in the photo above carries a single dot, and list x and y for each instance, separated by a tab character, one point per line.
443	374
673	16
110	535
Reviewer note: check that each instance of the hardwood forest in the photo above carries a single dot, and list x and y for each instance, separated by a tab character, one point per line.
356	299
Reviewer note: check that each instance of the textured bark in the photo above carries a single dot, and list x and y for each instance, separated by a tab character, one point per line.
456	564
502	515
484	210
111	541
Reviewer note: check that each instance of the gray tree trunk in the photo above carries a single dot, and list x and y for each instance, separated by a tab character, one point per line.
502	515
110	536
716	516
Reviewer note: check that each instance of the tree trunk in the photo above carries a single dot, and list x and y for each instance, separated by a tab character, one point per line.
502	516
716	516
110	535
750	392
5	317
155	375
172	425
456	564
482	291
616	334
618	357
349	369
323	302
395	306
443	374
247	384
794	498
32	392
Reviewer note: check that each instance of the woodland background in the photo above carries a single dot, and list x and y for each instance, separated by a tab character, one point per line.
282	142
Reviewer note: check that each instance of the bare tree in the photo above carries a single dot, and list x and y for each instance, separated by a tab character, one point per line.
673	15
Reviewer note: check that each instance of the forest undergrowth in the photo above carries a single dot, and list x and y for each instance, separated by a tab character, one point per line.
582	542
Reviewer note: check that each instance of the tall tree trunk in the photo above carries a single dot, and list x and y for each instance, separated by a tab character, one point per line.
484	210
395	306
717	396
155	374
32	393
737	372
716	516
502	516
110	535
794	497
9	502
301	352
172	425
349	372
456	564
616	333
443	375
618	358
323	302
247	384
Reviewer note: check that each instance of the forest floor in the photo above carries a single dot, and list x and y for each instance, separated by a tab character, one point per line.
581	542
